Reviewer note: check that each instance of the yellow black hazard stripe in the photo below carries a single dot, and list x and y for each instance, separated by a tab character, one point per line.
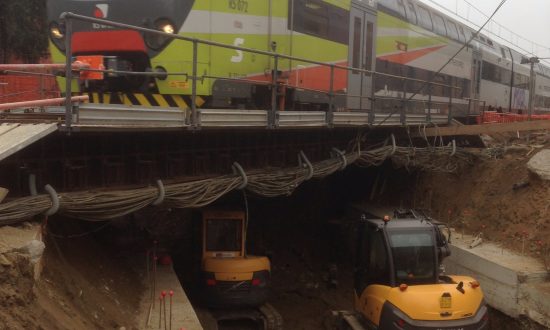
146	100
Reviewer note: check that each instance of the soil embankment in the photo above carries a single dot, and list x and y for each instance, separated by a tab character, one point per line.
83	285
497	197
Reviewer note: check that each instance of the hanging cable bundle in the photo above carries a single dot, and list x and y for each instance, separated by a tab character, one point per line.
102	205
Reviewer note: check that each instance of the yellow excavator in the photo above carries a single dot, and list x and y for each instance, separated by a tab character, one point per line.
235	285
398	279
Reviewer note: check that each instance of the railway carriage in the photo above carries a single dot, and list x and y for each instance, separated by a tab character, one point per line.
414	41
399	37
313	29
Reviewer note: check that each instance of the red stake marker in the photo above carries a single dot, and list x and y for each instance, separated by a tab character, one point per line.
163	293
160	311
154	276
171	294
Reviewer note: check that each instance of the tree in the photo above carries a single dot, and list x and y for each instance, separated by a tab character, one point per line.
23	30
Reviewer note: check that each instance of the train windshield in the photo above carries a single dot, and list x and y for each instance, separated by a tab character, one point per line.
413	256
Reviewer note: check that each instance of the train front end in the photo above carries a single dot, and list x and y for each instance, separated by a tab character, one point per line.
123	52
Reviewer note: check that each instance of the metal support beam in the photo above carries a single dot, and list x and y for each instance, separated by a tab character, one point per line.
274	77
41	103
68	72
194	122
488	128
330	117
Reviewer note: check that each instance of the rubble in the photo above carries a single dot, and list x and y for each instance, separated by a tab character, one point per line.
539	164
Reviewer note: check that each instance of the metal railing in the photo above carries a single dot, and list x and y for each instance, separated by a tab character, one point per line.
274	82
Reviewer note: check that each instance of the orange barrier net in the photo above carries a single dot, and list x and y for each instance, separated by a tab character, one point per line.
494	117
16	88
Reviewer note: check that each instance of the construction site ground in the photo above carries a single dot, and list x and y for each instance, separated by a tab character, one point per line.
93	274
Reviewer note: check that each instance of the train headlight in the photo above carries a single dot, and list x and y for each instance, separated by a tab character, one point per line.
56	32
167	27
157	42
57	35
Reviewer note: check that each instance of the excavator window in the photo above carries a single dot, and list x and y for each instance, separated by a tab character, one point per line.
413	256
378	260
223	235
372	264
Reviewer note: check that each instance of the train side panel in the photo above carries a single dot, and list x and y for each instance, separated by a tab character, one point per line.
410	50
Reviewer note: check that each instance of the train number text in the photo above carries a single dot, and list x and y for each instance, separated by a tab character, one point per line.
240	5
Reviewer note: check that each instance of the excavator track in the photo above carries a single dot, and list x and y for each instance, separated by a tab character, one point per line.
266	317
272	319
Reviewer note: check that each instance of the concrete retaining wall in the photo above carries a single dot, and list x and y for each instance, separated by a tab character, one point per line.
514	284
499	284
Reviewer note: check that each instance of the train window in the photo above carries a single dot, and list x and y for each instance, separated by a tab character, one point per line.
461	34
401	7
425	18
521	81
411	13
452	31
465	92
494	73
370	44
503	52
357	27
539	101
505	76
478	81
396	6
439	25
489	72
338	25
471	35
320	19
313	18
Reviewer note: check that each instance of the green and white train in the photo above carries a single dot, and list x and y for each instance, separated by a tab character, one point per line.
399	37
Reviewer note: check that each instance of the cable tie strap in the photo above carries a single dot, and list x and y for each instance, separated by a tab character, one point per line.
308	163
55	200
342	156
454	148
237	169
32	184
160	197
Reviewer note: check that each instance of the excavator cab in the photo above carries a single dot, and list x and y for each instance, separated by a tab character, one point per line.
230	277
398	280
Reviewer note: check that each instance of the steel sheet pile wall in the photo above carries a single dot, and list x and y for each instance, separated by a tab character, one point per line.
106	205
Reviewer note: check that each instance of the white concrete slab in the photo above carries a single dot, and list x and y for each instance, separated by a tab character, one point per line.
514	284
14	137
183	314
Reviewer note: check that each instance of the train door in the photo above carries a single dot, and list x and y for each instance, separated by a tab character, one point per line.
362	55
476	82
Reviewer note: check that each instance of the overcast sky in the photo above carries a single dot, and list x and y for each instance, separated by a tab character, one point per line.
528	18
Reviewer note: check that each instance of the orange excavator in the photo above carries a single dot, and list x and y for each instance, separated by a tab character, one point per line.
398	280
235	285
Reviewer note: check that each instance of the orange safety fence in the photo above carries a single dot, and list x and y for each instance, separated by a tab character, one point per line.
489	117
21	87
18	88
